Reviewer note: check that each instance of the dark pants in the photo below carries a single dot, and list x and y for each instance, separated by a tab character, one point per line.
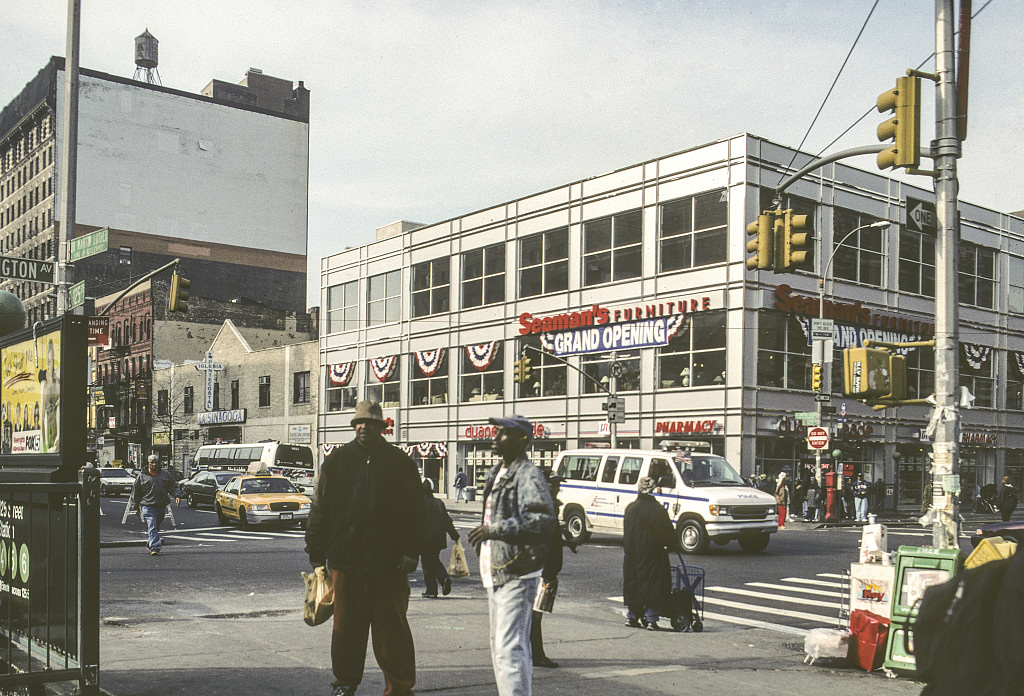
361	601
536	636
433	570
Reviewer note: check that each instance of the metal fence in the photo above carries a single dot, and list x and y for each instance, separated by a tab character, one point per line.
49	584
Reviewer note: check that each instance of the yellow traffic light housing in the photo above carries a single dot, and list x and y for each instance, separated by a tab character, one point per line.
874	375
904	129
522	370
816	377
763	244
177	300
792	240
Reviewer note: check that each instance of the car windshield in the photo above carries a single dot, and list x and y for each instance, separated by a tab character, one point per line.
267	485
703	470
114	473
224	476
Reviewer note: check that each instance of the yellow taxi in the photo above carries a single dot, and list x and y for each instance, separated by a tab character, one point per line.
261	498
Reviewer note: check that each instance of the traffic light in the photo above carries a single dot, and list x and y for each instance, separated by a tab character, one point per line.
816	377
763	244
522	371
874	374
177	300
792	240
904	129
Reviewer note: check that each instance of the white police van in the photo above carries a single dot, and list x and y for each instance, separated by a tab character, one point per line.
705	497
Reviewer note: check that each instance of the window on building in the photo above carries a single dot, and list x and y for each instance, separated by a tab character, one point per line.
544	262
482	380
343	307
384	301
387	388
188	400
431	287
693	231
920	372
599	367
857	257
917	263
483	276
547	373
264	390
216	396
340	396
300	387
1015	297
783	356
695	356
1014	381
234	395
124	255
612	248
429	377
162	403
977	275
976	373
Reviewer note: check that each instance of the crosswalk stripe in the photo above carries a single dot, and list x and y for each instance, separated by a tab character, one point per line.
767	595
791	588
199	538
811	581
755	623
819	618
238	537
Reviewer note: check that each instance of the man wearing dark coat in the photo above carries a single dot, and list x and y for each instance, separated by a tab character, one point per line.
648	536
438	523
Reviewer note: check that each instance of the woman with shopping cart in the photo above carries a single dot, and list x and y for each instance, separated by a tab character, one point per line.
648	536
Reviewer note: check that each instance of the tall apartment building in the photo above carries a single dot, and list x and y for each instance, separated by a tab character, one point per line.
637	278
218	179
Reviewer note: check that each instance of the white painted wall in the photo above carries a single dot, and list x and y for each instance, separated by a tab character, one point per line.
170	165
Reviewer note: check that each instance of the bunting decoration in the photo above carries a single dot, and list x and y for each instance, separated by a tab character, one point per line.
425	449
342	373
327	449
384	367
482	355
975	355
675	324
429	360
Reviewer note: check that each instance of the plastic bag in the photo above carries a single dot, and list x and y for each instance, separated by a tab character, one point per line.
319	604
457	566
826	642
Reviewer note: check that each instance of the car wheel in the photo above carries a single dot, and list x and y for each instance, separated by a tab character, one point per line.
752	543
243	521
693	537
222	519
190	500
576	525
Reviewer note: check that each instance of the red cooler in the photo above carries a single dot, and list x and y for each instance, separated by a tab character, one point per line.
870	632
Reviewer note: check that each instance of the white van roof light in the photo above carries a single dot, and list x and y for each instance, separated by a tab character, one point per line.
691	445
258	468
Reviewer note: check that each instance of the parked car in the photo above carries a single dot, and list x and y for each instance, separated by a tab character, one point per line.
1008	530
254	499
202	488
115	481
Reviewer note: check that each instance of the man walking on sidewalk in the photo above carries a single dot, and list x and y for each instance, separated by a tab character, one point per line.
151	494
511	544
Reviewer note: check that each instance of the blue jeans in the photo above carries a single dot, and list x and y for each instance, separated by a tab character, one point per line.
461	493
153	516
862	508
511	611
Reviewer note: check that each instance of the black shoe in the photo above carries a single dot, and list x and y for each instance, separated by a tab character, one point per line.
343	691
544	661
446	587
632	623
431	596
652	626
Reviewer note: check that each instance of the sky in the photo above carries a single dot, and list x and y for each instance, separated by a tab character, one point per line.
424	111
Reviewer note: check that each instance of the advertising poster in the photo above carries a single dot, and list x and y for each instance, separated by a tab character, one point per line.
30	396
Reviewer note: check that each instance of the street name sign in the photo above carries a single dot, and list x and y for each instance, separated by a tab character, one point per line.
817	438
89	244
76	295
26	269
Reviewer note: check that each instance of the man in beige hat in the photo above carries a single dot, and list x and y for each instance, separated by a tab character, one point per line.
366	524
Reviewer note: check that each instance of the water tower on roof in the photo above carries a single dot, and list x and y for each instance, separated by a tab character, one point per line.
147	49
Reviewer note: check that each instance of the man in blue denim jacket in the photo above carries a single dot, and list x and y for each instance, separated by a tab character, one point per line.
518	519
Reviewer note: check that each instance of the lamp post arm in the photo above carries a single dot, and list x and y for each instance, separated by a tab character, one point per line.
832	257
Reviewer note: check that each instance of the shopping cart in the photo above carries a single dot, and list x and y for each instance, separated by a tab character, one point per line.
686	603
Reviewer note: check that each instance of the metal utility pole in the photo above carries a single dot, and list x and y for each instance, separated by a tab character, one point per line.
68	156
946	417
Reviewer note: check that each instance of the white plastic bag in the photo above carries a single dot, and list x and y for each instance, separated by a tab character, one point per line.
826	642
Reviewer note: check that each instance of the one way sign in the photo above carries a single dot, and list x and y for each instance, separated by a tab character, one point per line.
921	216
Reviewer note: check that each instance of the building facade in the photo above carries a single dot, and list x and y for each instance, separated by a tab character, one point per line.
218	180
635	281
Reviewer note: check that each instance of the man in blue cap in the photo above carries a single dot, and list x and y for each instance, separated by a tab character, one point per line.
511	544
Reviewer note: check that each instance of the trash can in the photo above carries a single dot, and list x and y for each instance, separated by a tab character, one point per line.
470	494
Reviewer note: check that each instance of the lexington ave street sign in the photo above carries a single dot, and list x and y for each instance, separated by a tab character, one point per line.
26	269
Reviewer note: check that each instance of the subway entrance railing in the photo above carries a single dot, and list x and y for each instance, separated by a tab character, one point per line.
49	583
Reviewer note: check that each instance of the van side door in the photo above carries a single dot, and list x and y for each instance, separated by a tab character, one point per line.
624	487
580	486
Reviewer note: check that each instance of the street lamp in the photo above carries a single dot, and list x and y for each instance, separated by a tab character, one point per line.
820	345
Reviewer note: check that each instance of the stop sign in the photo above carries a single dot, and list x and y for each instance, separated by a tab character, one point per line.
817	438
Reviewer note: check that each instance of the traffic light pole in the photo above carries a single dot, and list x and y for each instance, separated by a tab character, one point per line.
69	157
945	423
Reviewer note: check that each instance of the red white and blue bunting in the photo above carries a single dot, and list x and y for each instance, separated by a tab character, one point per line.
424	450
429	360
384	367
482	355
342	373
